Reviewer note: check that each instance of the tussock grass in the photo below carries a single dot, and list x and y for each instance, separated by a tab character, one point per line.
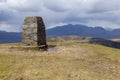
66	61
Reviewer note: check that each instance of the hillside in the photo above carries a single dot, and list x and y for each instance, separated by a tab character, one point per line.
78	39
83	30
63	61
116	40
10	37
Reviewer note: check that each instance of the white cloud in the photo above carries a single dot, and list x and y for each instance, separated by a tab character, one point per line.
104	24
107	5
8	28
25	5
54	12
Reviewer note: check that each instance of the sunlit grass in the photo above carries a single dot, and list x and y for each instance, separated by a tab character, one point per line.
66	61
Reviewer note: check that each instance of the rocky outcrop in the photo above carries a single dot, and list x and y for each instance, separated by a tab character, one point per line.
34	32
79	39
105	42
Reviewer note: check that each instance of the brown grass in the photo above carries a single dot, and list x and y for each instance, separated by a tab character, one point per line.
64	61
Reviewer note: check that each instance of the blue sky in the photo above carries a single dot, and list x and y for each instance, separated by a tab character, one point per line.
104	13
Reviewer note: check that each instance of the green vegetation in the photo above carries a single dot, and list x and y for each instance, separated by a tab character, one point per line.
65	61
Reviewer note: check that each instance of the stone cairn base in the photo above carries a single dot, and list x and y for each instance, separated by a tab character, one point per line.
34	34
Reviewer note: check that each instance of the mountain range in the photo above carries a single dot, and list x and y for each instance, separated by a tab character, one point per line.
10	37
66	30
85	31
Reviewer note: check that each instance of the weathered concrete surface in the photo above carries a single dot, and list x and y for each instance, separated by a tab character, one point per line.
34	34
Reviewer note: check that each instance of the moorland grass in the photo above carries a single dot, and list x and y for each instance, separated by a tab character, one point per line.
67	61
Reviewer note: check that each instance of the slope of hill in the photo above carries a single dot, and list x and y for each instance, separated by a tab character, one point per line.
82	30
116	40
10	37
100	41
67	61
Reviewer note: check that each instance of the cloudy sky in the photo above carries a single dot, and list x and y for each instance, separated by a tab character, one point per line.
104	13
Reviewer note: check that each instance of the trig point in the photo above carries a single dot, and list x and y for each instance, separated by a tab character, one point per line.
34	32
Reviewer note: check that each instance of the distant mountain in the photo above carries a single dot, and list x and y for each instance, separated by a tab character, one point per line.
10	37
66	30
82	30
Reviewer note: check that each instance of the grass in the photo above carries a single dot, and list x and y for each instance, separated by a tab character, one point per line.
65	61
